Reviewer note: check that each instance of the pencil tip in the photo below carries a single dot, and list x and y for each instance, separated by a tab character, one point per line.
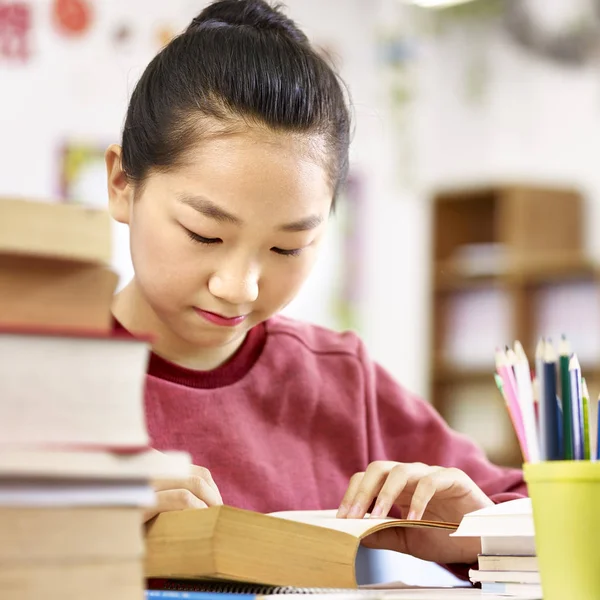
574	362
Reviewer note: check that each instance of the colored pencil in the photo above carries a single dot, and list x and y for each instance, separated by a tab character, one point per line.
587	442
549	409
535	384
598	430
539	373
564	352
577	407
525	397
509	386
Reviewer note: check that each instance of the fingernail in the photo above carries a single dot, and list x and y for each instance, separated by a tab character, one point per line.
411	516
342	511
376	512
355	511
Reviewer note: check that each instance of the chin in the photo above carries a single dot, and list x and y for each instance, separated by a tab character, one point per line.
213	337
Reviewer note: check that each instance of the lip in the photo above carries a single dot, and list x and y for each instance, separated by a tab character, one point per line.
220	320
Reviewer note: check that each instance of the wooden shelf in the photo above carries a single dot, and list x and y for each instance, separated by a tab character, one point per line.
528	272
448	280
455	374
532	235
444	374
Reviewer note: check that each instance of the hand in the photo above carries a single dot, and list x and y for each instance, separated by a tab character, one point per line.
419	492
197	491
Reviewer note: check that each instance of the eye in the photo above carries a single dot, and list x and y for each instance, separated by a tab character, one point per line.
295	252
200	239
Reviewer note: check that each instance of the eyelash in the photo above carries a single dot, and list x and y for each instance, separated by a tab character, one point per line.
199	239
283	252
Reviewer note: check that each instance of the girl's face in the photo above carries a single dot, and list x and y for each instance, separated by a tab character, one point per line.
226	241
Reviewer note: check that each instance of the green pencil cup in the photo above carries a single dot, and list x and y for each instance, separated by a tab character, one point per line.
565	496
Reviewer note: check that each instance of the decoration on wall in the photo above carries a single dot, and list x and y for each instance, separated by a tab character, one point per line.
397	52
83	174
478	18
164	34
15	30
122	35
348	297
576	44
72	17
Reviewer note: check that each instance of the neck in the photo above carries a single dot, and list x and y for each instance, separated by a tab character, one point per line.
133	311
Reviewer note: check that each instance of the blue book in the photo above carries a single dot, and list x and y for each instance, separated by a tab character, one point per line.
180	595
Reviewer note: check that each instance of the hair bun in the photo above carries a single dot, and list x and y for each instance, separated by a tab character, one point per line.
250	13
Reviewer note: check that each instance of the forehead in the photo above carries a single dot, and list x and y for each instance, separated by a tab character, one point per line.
279	173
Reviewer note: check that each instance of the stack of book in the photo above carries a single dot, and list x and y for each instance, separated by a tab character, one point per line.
508	562
75	466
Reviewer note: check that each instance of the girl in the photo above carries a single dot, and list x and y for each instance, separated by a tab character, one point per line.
234	148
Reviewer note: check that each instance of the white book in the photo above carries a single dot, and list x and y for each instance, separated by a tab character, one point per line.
507	563
505	529
508	546
56	493
507	519
516	590
69	389
477	576
21	463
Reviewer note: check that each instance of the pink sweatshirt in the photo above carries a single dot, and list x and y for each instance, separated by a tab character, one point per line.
299	409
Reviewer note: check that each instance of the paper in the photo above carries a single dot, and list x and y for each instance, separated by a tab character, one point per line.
355	527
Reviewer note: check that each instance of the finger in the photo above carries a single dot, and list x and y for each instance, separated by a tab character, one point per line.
400	477
174	499
426	489
198	486
346	502
205	474
368	488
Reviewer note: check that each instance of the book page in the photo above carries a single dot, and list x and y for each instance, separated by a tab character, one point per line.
356	527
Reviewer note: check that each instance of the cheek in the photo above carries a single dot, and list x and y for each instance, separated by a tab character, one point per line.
282	284
165	264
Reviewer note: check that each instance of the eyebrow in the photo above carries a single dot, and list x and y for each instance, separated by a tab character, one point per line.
303	224
212	211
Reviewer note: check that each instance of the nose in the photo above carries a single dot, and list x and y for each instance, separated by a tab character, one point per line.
235	284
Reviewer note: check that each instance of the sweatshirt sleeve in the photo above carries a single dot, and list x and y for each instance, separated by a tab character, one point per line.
402	427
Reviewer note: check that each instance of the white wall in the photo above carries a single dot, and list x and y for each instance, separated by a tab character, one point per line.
79	89
536	121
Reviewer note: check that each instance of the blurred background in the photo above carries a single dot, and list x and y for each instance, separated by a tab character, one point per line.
470	213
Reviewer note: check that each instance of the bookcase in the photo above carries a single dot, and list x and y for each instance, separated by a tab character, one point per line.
508	264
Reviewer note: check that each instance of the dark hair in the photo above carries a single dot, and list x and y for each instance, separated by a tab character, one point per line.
238	59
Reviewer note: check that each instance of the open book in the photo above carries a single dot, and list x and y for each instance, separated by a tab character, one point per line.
298	548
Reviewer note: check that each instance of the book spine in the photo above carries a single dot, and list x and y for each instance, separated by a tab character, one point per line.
180	595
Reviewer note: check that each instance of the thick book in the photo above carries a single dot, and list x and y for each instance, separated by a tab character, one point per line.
477	576
74	493
504	529
298	548
96	580
91	464
33	535
527	591
72	389
507	563
43	293
51	230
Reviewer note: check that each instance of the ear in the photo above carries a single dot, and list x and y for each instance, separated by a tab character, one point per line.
120	191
